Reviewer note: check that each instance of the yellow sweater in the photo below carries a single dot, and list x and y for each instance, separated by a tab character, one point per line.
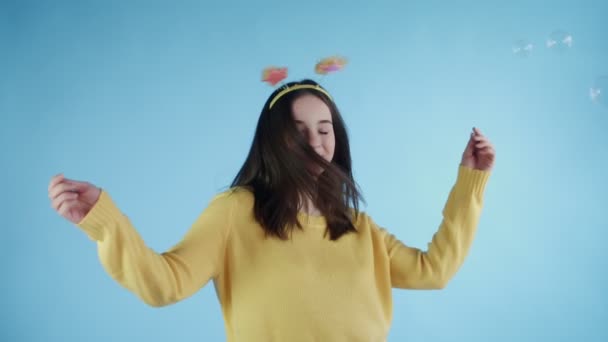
306	289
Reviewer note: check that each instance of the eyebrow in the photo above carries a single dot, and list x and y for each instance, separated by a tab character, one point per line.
321	121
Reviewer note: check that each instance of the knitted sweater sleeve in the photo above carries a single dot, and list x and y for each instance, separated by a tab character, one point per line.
159	278
413	268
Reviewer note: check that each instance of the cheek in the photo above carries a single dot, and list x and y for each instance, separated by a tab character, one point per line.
330	144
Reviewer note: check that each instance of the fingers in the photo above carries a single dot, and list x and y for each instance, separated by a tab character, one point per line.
63	198
65	207
68	206
60	185
482	144
481	141
61	188
477	135
488	150
470	144
55	180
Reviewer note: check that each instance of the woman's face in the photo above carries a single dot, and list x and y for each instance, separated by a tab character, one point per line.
313	120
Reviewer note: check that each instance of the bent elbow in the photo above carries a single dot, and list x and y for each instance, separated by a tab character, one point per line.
156	301
441	282
155	304
440	285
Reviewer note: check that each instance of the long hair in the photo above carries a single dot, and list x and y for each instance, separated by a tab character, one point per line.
276	171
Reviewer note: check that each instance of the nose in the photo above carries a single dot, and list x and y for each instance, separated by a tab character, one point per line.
314	139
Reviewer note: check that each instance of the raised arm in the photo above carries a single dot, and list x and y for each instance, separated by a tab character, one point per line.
413	268
159	278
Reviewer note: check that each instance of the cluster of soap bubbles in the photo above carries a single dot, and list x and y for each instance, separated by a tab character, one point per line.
558	41
561	41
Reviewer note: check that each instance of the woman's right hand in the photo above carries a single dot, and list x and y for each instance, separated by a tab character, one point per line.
72	199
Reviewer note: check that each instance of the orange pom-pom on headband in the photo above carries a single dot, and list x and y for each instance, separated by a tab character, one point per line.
330	64
273	75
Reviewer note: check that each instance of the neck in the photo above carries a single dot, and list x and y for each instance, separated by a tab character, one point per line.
309	208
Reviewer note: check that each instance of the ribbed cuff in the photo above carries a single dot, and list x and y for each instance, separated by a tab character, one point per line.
103	213
471	180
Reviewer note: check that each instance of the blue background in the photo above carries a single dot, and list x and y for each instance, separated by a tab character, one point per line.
157	101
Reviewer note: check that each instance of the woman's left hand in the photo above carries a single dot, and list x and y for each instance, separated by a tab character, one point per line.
479	153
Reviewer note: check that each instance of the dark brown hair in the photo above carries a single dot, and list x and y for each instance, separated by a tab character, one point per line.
275	170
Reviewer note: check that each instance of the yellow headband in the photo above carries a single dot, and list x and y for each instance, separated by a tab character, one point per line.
296	87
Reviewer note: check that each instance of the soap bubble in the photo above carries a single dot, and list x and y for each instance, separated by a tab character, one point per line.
598	93
522	48
559	41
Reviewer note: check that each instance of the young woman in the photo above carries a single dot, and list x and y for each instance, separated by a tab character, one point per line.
291	256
